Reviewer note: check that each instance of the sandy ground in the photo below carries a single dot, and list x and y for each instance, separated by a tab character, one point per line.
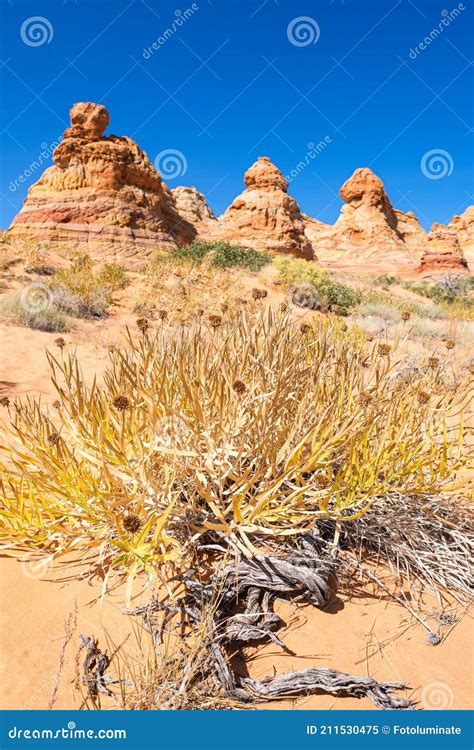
361	636
358	635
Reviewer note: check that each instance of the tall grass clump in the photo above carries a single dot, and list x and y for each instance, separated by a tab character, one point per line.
42	318
222	255
84	289
251	430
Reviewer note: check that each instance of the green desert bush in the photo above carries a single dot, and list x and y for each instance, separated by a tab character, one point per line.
295	272
222	255
448	290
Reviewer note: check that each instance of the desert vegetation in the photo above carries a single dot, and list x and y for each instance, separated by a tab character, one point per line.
248	455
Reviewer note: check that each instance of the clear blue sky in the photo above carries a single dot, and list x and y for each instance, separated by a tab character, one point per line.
228	85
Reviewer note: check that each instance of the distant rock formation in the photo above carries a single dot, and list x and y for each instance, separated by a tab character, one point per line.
264	216
443	254
192	206
369	232
103	195
464	228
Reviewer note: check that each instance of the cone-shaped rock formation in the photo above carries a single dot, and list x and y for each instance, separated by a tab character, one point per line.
103	195
264	216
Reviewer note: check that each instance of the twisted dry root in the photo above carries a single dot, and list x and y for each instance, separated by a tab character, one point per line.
251	586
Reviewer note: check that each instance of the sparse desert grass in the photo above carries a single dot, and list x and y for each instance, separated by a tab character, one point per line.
451	290
182	292
222	255
253	429
48	318
82	290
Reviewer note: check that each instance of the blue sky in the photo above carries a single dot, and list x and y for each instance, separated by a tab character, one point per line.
234	80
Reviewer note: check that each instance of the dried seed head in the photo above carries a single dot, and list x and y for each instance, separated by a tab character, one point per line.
384	349
321	480
423	397
121	403
450	344
405	315
54	438
240	301
470	367
143	324
57	404
224	307
239	387
5	401
60	342
344	327
215	320
369	337
305	328
433	362
259	293
365	398
199	312
283	307
132	524
336	309
162	314
111	348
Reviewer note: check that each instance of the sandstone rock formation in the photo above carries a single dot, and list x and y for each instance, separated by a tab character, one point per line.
264	216
369	232
464	228
443	254
103	195
192	206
